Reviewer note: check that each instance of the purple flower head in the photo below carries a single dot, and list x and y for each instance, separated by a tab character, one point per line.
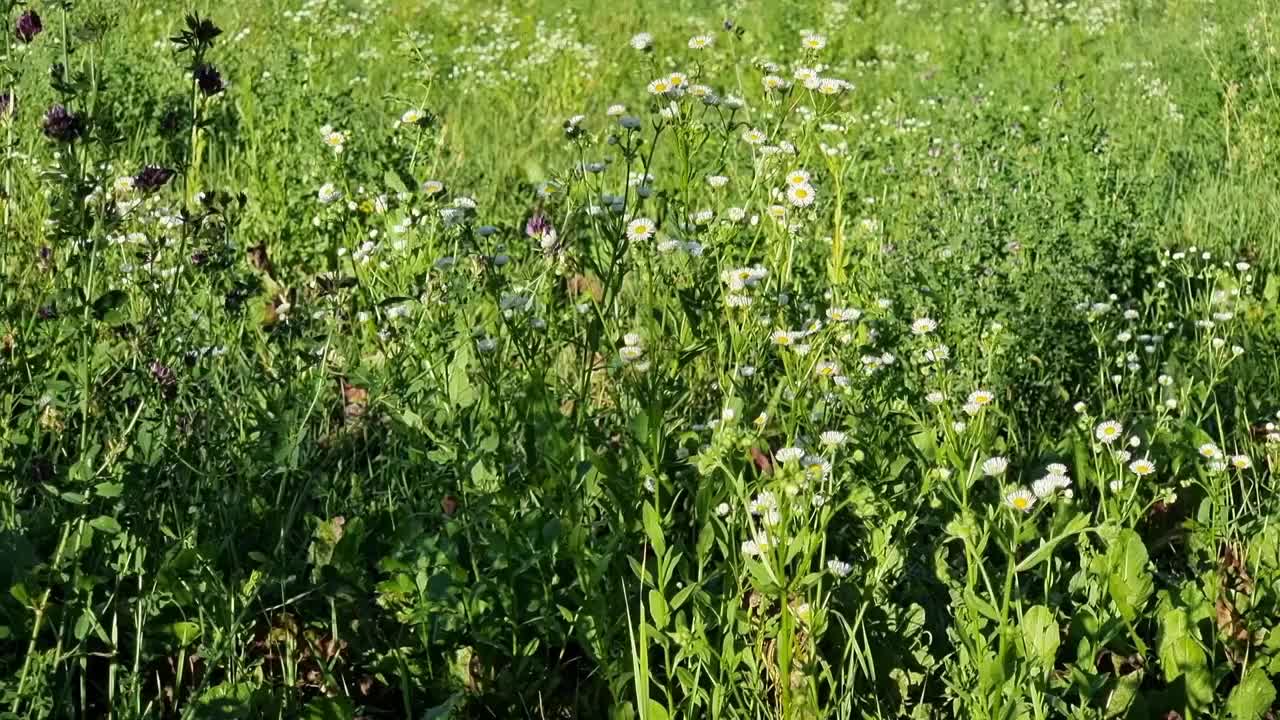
209	80
152	178
7	104
164	376
29	26
538	226
62	125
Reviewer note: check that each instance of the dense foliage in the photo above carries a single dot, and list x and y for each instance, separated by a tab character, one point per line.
430	359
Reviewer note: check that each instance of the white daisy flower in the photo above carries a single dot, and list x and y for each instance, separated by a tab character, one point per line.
1108	431
995	466
789	454
843	315
801	195
981	398
328	193
773	82
813	41
701	42
1020	499
923	326
798	177
1142	467
660	86
641	228
783	337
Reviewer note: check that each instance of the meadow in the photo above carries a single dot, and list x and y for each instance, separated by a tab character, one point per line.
658	360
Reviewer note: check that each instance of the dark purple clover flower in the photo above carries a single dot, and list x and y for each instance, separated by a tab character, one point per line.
29	26
152	178
62	125
538	226
7	104
209	80
164	376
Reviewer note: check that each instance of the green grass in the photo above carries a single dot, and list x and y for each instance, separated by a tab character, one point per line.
301	433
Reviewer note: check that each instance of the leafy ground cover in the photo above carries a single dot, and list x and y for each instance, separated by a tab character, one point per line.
431	359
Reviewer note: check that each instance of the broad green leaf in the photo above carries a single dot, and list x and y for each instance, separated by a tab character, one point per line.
1127	577
1252	698
108	490
461	392
1122	695
655	711
1040	635
106	524
185	632
1181	656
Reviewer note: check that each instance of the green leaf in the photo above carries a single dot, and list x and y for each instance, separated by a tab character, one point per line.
108	490
1078	524
329	708
461	392
393	180
106	524
1182	656
445	710
1040	635
1252	697
1127	577
655	711
706	537
185	632
984	608
107	302
653	528
1124	694
682	596
658	609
